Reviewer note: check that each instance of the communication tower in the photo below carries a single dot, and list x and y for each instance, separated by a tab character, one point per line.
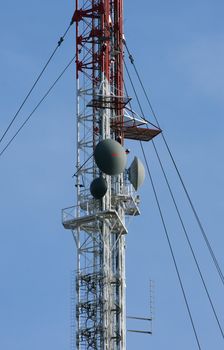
106	190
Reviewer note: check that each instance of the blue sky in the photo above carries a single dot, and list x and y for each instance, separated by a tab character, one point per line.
179	50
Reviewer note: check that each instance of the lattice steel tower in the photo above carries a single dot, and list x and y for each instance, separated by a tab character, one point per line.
105	196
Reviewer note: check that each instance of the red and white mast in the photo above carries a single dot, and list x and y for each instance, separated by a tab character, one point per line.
98	221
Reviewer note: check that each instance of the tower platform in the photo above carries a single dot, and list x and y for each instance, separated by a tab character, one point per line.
91	222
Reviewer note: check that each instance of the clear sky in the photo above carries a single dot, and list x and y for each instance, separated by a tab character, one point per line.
179	50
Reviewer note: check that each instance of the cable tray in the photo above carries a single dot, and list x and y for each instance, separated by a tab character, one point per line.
110	102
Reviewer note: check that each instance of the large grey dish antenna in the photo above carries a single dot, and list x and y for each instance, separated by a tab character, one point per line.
136	173
110	157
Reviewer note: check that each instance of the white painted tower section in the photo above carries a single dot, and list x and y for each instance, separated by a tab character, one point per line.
99	225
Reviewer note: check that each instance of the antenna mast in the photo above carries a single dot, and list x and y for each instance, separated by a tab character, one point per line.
105	197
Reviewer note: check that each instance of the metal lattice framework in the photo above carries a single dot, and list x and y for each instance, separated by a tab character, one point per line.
99	226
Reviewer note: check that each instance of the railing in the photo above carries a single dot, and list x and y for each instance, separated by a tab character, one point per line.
76	211
70	213
89	206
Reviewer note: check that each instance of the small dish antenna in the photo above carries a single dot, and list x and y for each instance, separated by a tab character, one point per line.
136	173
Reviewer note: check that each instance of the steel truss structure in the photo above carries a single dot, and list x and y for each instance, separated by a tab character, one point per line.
99	226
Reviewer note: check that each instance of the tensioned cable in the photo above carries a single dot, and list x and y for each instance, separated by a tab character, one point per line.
188	240
179	214
170	247
162	218
39	103
81	166
215	261
36	81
